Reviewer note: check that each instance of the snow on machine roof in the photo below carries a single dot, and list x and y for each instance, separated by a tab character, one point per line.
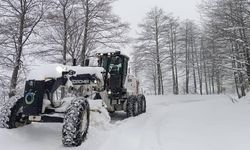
98	52
43	72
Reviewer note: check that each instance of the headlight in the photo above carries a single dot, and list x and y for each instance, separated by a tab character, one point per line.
109	92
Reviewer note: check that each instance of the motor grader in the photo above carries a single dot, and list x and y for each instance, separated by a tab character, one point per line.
62	94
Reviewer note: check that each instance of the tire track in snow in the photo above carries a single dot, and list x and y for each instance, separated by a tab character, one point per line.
151	132
139	133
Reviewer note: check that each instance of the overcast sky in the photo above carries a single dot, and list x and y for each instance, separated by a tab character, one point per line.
133	11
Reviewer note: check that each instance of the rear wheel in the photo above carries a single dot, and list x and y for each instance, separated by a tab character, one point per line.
139	104
129	106
136	107
11	114
76	123
142	101
132	106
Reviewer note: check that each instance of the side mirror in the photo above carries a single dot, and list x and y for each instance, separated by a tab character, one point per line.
86	63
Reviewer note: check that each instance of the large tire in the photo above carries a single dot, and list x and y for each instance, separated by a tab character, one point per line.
129	106
11	114
136	106
132	106
142	103
76	123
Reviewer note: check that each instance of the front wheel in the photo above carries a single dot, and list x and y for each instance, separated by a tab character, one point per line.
11	114
76	123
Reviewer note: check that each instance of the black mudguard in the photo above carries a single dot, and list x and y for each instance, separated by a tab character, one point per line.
33	97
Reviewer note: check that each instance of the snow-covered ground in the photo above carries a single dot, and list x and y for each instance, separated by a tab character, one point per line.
171	123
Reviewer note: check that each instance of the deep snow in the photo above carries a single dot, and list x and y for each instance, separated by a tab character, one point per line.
171	123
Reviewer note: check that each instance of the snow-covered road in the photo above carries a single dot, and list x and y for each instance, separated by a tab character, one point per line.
171	123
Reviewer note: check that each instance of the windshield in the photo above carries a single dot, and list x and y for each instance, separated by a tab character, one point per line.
113	65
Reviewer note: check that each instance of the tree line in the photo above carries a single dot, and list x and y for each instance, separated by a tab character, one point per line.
182	56
170	55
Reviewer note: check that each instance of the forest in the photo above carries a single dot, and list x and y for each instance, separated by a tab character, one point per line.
188	57
170	55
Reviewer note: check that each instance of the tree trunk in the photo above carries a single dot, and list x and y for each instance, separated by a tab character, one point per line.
209	81
242	88
213	67
199	66
200	76
205	70
173	68
162	84
85	35
187	62
212	82
236	85
193	64
159	79
65	39
175	62
17	66
176	80
155	88
205	76
158	65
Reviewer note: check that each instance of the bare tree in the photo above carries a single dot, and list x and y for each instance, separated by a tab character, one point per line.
64	30
229	21
102	28
19	19
172	40
151	44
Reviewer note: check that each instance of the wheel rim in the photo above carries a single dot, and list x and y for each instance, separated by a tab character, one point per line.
140	106
84	122
136	107
143	105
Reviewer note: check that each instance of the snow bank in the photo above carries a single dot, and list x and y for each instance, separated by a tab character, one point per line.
99	116
55	70
245	99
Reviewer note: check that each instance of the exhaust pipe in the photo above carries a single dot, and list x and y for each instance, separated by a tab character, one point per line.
74	62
